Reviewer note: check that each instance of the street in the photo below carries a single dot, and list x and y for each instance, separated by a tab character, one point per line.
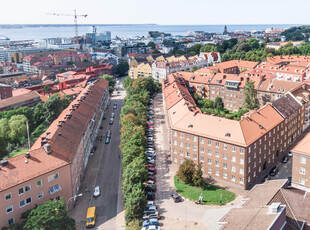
104	170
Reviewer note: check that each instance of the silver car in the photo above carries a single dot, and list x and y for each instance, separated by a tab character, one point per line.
96	191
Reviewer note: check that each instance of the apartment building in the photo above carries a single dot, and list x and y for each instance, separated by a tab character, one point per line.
235	66
55	164
29	99
302	94
234	152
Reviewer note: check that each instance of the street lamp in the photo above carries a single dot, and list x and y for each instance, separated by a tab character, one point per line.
74	197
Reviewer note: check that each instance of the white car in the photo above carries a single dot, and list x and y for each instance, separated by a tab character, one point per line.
151	227
96	191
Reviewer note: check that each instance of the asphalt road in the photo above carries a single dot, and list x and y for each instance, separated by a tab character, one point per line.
104	170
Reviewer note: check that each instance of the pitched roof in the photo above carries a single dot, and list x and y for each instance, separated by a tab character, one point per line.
303	147
11	101
286	105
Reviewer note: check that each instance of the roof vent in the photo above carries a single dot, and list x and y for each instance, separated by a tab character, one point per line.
27	155
59	134
227	135
190	126
26	161
4	163
47	148
261	127
48	133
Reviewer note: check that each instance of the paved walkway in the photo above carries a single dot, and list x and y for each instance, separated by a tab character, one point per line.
186	214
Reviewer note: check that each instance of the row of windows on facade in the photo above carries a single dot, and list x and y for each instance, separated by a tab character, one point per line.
27	188
28	200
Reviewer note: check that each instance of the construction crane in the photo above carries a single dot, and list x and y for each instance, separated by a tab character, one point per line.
75	22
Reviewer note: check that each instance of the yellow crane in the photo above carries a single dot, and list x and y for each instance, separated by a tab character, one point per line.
75	22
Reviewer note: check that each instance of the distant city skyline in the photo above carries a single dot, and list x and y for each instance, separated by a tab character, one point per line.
181	12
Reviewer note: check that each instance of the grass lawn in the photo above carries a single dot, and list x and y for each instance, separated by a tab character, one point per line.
211	194
16	153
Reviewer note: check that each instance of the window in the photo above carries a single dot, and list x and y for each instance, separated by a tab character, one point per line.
195	156
174	133
9	209
202	159
303	160
241	180
11	221
202	150
39	183
217	154
22	203
249	149
181	144
209	152
209	161
209	142
181	135
217	145
241	161
254	145
187	137
195	147
53	177
217	173
27	188
225	175
241	151
175	159
217	164
8	196
302	171
254	164
20	191
209	170
224	156
175	151
233	159
195	139
233	149
249	179
225	147
202	141
249	159
175	142
241	171
188	146
233	168
40	195
188	154
233	178
54	189
254	155
301	181
224	165
28	200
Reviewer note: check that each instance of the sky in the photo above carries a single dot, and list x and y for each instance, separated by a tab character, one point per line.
163	12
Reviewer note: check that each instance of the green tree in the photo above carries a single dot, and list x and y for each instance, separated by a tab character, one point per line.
151	44
18	129
218	104
54	106
197	177
122	68
253	43
46	88
51	215
186	171
135	202
250	98
111	81
127	82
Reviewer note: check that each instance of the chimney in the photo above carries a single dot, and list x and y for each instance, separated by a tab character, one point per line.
27	155
47	148
274	208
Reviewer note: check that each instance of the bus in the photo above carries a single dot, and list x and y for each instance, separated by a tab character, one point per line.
91	217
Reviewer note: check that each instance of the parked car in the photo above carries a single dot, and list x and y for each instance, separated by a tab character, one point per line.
96	191
150	188
176	197
112	115
150	173
151	146
150	155
151	216
150	138
151	177
152	161
149	182
267	177
150	203
93	150
284	159
150	196
273	171
150	209
152	169
115	106
151	227
290	154
107	140
111	121
109	133
149	222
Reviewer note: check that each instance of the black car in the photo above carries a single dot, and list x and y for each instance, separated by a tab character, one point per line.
284	159
273	171
150	196
150	188
176	197
267	177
